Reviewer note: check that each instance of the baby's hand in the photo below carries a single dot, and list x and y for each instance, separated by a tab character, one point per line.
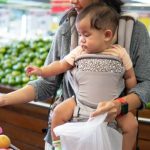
33	70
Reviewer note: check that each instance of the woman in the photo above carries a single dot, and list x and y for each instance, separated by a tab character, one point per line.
42	89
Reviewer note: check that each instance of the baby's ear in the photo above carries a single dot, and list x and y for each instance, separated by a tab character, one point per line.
108	35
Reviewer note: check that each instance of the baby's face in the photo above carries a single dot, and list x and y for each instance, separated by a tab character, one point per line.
91	40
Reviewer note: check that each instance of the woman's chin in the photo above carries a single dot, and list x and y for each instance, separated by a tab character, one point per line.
78	10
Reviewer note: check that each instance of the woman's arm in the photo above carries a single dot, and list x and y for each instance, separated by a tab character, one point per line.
114	107
23	95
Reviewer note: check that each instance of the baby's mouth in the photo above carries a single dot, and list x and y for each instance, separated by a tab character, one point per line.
84	47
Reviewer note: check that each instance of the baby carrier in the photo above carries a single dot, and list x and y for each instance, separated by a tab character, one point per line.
124	39
95	77
100	66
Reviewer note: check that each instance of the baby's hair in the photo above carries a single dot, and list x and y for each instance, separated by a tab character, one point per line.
101	15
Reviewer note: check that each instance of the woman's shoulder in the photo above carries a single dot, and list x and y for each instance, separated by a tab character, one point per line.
64	27
64	24
67	15
140	39
139	33
139	28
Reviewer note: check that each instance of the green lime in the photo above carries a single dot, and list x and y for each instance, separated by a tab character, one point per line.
18	66
6	56
2	50
7	64
20	46
24	65
8	75
28	60
18	80
25	79
15	73
40	44
43	56
4	81
2	73
38	62
8	71
9	51
33	78
1	56
148	105
0	79
21	58
14	53
31	55
11	81
34	46
42	50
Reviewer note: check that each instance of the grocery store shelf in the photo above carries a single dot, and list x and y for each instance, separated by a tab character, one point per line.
144	120
40	104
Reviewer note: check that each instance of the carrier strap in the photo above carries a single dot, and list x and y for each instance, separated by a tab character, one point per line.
125	29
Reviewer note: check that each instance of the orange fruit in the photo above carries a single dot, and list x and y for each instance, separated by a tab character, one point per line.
4	141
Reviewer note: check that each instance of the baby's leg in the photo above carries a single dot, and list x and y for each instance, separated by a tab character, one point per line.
129	126
61	114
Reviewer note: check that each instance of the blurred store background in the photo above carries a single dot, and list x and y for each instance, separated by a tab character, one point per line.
29	25
24	19
29	19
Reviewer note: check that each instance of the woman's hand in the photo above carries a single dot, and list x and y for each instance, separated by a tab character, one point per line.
111	107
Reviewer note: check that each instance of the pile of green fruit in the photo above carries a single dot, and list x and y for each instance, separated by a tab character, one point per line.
16	56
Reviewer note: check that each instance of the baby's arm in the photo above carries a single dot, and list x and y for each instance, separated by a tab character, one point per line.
55	68
130	79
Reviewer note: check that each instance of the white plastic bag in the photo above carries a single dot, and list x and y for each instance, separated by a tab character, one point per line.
90	135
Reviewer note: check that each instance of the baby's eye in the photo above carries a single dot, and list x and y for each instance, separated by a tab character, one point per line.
86	35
